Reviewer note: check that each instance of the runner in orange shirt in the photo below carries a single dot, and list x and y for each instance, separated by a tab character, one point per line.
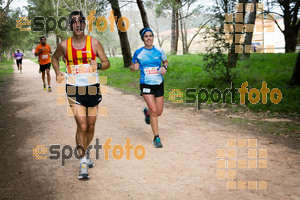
43	50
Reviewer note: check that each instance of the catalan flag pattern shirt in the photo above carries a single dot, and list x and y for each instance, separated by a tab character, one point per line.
79	70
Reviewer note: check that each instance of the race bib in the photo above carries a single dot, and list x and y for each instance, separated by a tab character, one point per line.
151	71
80	69
146	90
18	58
44	56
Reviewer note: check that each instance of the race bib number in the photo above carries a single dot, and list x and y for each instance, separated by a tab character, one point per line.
146	90
18	58
151	71
44	56
80	69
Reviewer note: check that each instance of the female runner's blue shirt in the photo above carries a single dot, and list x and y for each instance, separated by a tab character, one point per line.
150	63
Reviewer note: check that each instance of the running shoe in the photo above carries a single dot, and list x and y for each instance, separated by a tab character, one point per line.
49	89
156	142
147	116
83	171
45	86
89	161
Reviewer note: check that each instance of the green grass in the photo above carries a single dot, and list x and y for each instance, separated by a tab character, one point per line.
187	71
6	69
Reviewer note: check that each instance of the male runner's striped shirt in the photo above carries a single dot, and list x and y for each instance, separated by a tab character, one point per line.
79	71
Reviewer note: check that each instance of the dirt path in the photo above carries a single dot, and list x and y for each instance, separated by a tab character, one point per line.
186	168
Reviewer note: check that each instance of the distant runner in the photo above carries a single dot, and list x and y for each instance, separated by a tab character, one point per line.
19	58
43	50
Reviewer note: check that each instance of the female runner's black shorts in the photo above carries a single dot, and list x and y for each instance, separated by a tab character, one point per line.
157	90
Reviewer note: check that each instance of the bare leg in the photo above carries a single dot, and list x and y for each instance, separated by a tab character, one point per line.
43	77
48	76
155	106
91	121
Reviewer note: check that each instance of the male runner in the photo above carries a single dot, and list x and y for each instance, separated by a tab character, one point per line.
82	83
19	58
43	50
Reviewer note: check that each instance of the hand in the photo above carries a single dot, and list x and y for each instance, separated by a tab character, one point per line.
93	64
136	65
162	70
60	78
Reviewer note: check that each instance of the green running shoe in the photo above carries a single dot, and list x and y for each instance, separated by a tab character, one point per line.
156	142
147	116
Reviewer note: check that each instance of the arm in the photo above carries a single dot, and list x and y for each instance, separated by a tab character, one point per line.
36	53
98	50
134	66
162	69
55	62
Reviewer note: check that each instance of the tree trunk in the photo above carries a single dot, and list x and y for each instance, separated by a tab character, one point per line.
296	74
290	40
173	33
291	25
143	13
125	47
176	26
57	40
249	35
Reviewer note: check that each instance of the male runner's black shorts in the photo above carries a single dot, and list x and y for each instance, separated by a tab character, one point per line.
88	96
19	62
157	90
44	67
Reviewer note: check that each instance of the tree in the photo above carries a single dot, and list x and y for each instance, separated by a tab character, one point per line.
187	15
217	63
290	14
249	35
296	74
125	46
143	13
165	5
3	19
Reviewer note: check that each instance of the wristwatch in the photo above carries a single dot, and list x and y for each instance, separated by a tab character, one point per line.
166	67
99	66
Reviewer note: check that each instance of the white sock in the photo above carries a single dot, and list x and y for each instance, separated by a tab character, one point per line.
83	160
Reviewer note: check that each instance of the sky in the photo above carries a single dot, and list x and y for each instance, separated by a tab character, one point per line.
17	3
22	3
